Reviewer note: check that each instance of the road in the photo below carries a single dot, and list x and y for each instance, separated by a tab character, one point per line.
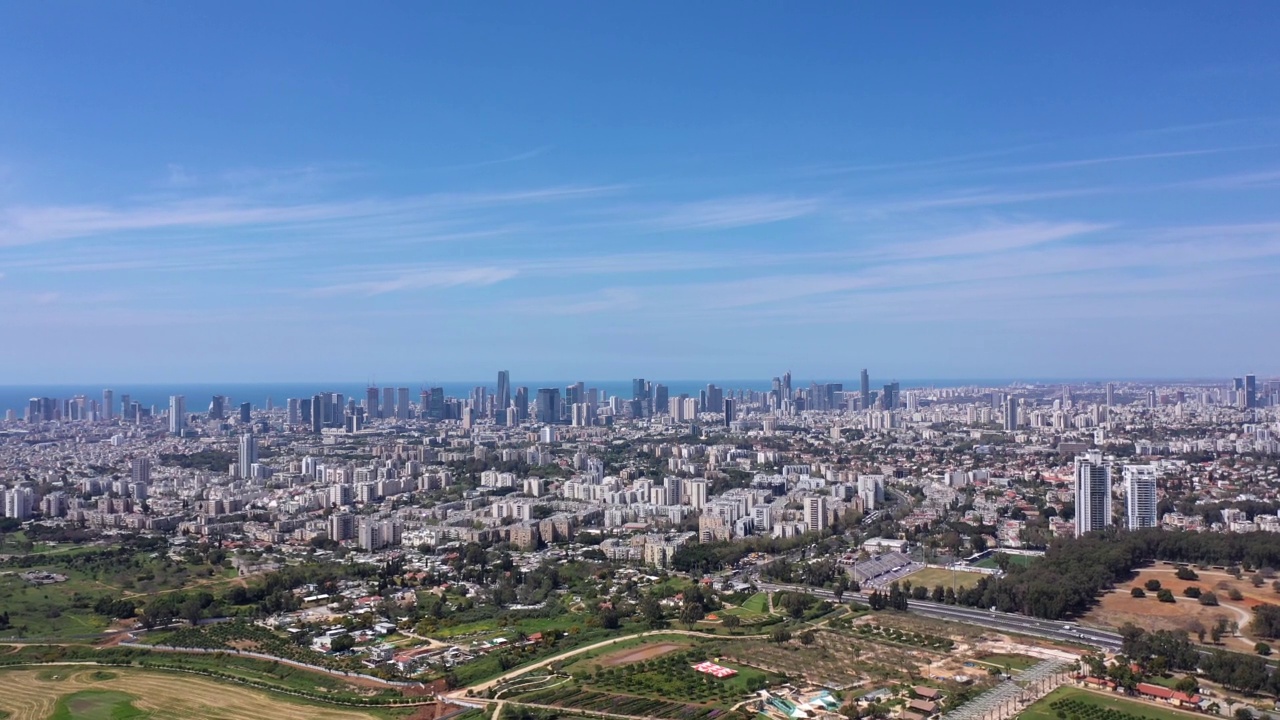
1008	622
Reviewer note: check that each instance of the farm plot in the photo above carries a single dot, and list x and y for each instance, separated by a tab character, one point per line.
1077	704
834	659
578	698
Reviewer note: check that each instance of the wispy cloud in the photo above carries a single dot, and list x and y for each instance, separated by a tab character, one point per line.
34	224
418	280
734	212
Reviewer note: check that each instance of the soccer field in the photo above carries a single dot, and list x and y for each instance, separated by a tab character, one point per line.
931	577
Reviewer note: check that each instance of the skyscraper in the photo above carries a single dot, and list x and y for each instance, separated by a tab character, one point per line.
728	411
177	414
402	403
1093	493
1010	413
549	406
1111	394
661	398
1140	496
522	404
503	398
371	407
108	405
140	470
248	454
246	413
318	403
218	407
388	409
1250	391
866	390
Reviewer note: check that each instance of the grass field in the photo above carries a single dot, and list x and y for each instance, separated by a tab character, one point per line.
931	577
96	705
1009	661
1043	709
76	692
758	603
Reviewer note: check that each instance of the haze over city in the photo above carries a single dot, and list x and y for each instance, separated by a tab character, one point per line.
296	191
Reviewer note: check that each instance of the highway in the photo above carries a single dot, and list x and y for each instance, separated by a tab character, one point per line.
1008	622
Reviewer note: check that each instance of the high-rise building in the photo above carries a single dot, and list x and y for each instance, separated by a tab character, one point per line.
889	398
140	470
815	513
18	503
549	406
786	385
1011	413
661	398
1093	493
248	455
1140	496
371	406
108	405
402	403
318	405
866	390
246	413
728	411
177	414
871	491
1250	391
218	407
502	400
1111	394
522	404
697	489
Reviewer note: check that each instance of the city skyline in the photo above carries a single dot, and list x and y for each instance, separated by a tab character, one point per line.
954	196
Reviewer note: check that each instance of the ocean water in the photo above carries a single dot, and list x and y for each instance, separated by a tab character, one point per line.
198	395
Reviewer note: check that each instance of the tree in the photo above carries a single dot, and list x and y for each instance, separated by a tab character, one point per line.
651	612
1187	684
807	637
691	613
731	622
1235	595
1186	573
1137	592
1209	599
779	635
1153	585
1192	591
1262	648
1165	596
342	643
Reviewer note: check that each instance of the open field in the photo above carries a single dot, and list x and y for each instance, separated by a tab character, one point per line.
639	654
1009	661
56	692
991	562
1118	606
758	603
932	577
1069	697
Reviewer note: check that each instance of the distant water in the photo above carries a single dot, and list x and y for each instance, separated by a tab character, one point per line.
198	395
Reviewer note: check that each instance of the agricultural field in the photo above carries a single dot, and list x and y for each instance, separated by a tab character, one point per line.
1078	704
67	692
932	577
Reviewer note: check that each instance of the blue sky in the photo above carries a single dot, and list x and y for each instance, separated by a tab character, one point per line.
251	191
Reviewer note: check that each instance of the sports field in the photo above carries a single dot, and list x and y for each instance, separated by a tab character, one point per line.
931	577
65	692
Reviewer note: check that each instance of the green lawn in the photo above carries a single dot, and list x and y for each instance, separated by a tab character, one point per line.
990	562
1044	710
96	705
1010	661
758	603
